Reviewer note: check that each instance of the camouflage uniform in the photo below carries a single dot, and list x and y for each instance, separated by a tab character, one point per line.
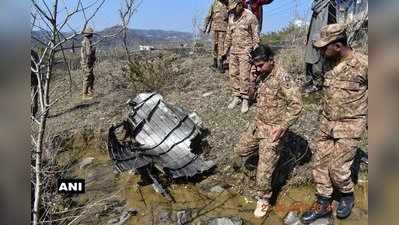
88	59
242	36
344	121
278	106
218	17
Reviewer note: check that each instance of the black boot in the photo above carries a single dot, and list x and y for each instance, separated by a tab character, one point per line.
214	66
237	163
320	209
345	205
221	66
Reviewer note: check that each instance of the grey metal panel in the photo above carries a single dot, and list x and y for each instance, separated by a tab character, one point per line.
164	134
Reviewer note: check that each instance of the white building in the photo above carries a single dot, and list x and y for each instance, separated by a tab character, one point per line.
146	48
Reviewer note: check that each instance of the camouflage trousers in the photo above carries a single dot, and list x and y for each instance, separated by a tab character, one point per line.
218	43
239	71
88	78
332	161
268	151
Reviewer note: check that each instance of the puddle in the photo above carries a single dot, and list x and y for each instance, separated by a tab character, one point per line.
209	205
204	205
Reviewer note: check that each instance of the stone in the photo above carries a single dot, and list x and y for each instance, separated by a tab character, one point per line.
125	216
183	217
85	162
164	217
322	221
227	221
207	94
217	189
292	218
113	221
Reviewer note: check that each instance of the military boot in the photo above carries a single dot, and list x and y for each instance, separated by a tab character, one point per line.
345	205
85	93
236	101
214	66
321	208
245	106
221	66
237	163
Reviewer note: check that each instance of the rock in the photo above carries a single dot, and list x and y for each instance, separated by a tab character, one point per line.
323	221
126	214
227	221
217	189
292	218
207	94
163	217
85	162
183	217
113	221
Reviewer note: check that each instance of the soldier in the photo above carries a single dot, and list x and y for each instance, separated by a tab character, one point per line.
279	105
256	7
242	37
216	21
324	13
344	121
88	59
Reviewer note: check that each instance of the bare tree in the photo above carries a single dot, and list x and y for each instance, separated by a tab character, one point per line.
53	19
128	8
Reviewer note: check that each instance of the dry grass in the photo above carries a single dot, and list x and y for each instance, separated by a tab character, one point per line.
191	84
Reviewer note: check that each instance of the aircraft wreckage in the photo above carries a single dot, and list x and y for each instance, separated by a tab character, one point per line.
158	135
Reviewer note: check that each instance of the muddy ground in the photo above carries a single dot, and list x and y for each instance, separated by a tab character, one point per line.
194	86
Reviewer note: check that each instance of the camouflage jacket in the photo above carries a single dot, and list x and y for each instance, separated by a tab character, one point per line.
279	100
345	97
242	34
217	17
87	53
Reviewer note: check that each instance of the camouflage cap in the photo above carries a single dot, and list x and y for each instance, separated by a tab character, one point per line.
88	31
330	33
233	4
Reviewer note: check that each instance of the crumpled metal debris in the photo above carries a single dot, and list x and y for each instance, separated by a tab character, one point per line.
164	136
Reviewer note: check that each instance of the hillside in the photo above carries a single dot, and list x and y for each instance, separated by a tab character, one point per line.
184	79
135	37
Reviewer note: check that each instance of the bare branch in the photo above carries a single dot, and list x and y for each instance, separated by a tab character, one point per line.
49	18
93	14
48	8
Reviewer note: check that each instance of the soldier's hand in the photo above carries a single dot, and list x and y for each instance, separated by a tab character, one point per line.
277	133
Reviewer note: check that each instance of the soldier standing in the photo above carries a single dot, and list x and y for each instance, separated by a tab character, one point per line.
324	13
279	105
216	21
88	59
242	37
256	7
343	123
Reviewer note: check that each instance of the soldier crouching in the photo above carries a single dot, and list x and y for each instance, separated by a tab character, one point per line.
278	106
343	123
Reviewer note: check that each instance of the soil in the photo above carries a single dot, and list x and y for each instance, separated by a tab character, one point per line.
83	124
